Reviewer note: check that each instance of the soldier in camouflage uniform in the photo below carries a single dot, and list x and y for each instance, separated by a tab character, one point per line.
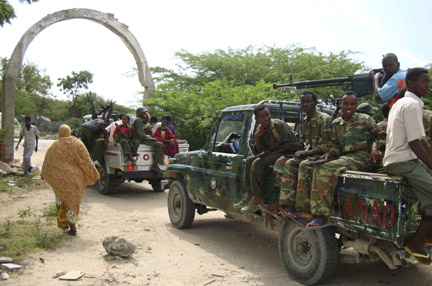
272	138
139	137
296	173
352	139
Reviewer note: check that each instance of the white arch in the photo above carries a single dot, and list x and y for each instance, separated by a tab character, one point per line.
13	69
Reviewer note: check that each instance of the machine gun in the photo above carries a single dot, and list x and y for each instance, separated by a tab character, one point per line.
362	82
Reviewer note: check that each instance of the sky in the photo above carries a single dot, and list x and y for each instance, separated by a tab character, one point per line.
163	27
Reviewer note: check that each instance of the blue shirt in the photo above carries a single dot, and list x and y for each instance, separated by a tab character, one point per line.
393	86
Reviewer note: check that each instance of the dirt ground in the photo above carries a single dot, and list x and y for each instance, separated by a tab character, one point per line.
214	251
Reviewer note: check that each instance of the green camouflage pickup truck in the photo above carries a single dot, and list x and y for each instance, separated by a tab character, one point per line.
372	213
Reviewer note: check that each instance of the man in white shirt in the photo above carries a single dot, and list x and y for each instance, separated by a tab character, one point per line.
31	138
110	128
403	151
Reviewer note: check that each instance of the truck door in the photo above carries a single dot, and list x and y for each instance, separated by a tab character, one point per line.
221	162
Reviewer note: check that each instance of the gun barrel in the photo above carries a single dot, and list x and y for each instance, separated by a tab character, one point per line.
315	83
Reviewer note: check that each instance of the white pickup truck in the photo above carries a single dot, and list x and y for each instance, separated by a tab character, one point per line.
114	170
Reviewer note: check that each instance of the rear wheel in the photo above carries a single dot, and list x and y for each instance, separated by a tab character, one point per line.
309	256
156	185
105	183
181	209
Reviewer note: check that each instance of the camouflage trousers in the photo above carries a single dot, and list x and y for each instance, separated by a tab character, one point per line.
295	177
325	179
254	173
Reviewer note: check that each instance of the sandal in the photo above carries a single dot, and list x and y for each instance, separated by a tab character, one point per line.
421	258
292	216
317	224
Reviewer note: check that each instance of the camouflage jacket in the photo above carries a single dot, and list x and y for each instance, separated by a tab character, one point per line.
317	131
288	139
426	141
357	134
138	130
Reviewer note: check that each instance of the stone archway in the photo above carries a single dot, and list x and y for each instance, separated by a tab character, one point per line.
14	67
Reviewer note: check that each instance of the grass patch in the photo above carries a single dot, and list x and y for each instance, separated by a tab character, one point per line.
28	234
29	230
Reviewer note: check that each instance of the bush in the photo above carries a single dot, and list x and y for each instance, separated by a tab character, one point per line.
74	123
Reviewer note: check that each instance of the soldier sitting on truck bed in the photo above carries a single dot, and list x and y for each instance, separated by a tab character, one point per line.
90	131
403	151
295	172
139	137
352	139
123	135
272	138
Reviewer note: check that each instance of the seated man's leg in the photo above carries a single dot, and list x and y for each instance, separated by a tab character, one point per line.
247	195
126	149
420	178
288	191
158	149
325	179
304	187
278	169
98	150
257	182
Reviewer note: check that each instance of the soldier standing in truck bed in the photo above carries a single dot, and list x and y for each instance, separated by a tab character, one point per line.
352	139
272	139
393	81
296	173
139	137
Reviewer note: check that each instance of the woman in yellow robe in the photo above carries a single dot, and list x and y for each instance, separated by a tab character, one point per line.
68	169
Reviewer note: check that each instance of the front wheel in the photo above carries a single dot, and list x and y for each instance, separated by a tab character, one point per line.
309	256
181	209
105	183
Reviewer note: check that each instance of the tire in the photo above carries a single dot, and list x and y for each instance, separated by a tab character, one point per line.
105	183
156	185
181	209
309	256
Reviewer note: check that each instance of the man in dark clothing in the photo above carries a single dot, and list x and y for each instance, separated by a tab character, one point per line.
273	138
139	137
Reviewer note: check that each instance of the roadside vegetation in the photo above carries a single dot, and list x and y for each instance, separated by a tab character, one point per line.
27	230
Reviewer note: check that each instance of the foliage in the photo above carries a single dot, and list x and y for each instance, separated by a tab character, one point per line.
7	12
23	213
50	211
72	85
208	82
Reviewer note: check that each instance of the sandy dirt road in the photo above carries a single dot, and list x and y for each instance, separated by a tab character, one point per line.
214	251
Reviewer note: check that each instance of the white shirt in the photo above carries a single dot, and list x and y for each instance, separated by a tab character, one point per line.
29	136
405	124
110	129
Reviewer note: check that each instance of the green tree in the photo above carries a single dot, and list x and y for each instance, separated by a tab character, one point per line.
72	86
208	82
7	12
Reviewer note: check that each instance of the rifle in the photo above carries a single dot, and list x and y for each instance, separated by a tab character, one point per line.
127	139
313	161
362	83
92	108
300	133
336	111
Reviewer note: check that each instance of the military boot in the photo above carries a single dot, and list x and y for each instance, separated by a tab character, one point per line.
253	206
246	198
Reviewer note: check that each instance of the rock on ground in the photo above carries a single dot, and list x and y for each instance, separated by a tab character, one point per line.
118	246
